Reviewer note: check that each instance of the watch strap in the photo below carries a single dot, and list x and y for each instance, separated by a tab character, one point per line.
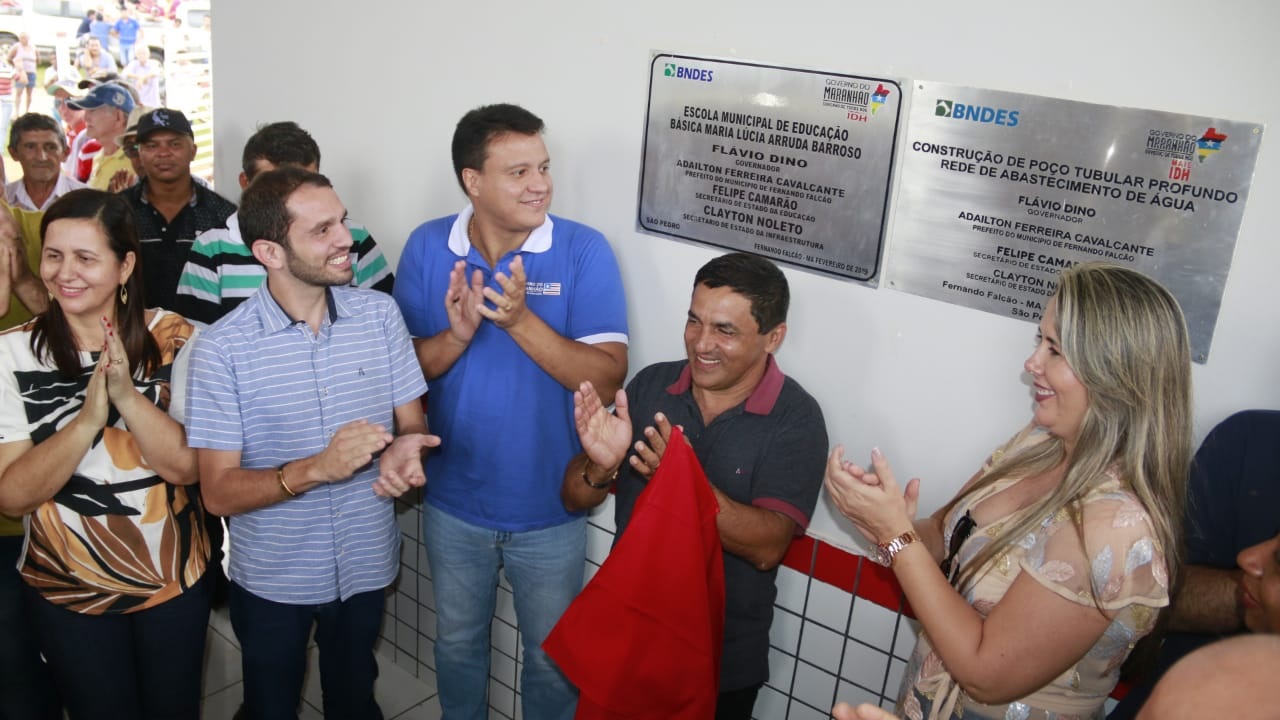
888	551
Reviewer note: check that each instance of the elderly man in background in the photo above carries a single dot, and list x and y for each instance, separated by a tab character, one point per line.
106	117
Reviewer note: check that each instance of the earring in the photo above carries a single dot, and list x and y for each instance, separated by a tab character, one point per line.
124	294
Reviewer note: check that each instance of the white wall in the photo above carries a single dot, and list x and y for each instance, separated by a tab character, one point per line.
934	386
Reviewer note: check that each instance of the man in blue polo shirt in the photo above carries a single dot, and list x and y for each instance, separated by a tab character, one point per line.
512	309
292	403
128	31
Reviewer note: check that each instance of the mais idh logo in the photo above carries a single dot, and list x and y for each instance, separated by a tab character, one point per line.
976	113
681	72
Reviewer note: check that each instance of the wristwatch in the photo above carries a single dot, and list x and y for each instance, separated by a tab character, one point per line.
885	552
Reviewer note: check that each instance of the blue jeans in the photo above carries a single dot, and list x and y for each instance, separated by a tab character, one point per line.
26	686
144	664
273	645
545	569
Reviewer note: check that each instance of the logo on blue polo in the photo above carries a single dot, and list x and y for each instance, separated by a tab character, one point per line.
686	73
542	288
976	113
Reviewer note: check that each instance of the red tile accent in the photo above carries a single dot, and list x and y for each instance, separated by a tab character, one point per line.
839	568
836	567
799	555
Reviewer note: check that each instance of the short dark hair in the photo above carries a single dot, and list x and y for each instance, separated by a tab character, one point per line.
32	122
479	127
264	211
279	143
756	279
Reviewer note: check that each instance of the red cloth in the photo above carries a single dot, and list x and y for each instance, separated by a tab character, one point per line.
643	640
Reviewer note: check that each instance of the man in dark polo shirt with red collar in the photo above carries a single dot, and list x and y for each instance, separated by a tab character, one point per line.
759	436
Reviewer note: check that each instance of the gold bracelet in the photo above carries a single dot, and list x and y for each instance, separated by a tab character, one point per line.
280	479
600	486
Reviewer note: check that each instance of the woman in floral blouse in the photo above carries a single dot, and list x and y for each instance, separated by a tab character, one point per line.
1035	582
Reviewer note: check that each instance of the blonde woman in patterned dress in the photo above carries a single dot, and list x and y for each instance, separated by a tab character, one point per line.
115	541
1032	586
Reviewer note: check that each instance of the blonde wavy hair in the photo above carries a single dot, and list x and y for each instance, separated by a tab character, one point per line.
1125	338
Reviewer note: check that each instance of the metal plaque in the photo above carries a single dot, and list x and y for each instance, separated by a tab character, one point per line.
1000	191
789	164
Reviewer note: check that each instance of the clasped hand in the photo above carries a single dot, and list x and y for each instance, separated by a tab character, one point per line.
871	499
400	467
465	302
111	382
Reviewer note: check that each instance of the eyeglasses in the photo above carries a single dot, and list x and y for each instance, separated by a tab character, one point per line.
131	150
963	529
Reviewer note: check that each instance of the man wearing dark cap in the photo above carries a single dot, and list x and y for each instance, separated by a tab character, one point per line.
169	206
106	115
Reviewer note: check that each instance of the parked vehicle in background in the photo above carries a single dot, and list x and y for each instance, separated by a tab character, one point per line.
54	22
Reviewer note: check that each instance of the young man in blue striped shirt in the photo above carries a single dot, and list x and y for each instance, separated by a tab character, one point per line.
303	406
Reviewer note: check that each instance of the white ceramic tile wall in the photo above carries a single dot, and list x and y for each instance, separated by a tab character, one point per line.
827	645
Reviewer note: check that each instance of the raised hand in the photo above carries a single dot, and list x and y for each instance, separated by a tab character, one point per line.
604	435
649	451
871	499
462	302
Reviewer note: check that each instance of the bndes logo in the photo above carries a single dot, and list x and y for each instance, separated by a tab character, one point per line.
976	113
686	73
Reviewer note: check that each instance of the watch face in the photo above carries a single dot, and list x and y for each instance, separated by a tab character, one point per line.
880	555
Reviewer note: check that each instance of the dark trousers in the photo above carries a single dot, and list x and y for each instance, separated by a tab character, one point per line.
144	664
26	685
273	644
737	704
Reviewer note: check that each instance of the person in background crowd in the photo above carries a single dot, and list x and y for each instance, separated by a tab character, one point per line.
116	549
129	142
738	410
95	62
170	208
144	74
106	115
7	74
1233	504
287	444
23	57
100	30
38	144
22	295
86	23
128	31
79	162
221	272
506	301
1034	583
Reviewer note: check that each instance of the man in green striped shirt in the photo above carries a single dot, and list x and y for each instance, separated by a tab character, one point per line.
221	272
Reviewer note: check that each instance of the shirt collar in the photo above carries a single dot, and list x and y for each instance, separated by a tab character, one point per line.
460	243
274	318
195	192
762	398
